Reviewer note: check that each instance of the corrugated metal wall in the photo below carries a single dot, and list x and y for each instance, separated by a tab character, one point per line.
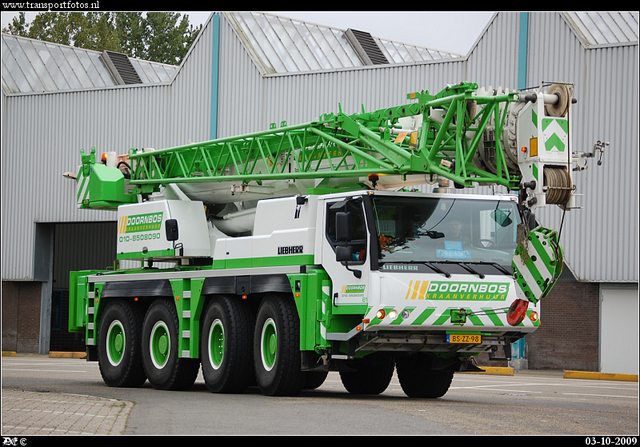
189	107
310	95
250	102
601	240
47	133
240	87
493	62
48	130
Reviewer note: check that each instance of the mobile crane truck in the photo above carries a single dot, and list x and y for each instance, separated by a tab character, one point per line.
274	257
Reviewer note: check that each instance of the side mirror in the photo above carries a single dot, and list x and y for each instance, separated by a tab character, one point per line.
343	226
171	227
344	253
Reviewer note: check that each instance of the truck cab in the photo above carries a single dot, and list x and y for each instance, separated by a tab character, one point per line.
431	270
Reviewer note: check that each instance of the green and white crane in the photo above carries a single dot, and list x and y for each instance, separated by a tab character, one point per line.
300	249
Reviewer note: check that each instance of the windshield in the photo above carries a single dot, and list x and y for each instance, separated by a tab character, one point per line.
436	230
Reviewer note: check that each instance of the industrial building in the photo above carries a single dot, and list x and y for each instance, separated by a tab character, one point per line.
248	70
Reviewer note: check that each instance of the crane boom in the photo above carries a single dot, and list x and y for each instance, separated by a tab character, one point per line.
462	134
341	146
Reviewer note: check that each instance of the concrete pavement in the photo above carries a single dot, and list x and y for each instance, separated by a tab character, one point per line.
47	413
27	413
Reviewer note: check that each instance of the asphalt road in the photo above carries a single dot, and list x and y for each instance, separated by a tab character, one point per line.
527	403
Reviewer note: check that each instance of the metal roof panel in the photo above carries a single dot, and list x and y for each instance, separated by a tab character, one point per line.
282	45
601	28
33	66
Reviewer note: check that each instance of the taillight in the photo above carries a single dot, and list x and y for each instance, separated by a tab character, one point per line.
517	312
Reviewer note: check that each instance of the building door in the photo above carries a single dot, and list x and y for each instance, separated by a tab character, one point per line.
77	246
619	328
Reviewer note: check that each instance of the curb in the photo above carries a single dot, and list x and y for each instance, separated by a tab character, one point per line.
52	354
600	376
67	355
493	370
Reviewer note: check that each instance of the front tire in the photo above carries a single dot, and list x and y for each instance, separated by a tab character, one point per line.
226	345
417	379
119	356
164	369
276	347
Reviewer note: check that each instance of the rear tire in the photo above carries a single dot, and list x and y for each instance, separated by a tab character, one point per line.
372	376
226	345
164	369
119	356
276	347
417	379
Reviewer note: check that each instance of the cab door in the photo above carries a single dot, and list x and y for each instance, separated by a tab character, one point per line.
346	254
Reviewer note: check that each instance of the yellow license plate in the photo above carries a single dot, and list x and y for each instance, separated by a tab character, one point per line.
464	338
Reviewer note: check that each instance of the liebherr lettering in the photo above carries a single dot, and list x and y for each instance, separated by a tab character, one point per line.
290	250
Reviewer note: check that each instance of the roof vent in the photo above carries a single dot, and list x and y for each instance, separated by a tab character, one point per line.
120	68
366	47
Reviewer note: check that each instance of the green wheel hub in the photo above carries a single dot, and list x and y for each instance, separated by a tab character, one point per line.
269	345
115	342
160	344
216	344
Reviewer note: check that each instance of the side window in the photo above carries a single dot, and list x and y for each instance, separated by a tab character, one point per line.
358	229
499	226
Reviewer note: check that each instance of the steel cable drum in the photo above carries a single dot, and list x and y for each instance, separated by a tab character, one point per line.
557	179
558	183
560	107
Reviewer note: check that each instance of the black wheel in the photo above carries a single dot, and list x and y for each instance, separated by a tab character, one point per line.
417	379
314	379
372	374
276	347
119	356
164	369
226	345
